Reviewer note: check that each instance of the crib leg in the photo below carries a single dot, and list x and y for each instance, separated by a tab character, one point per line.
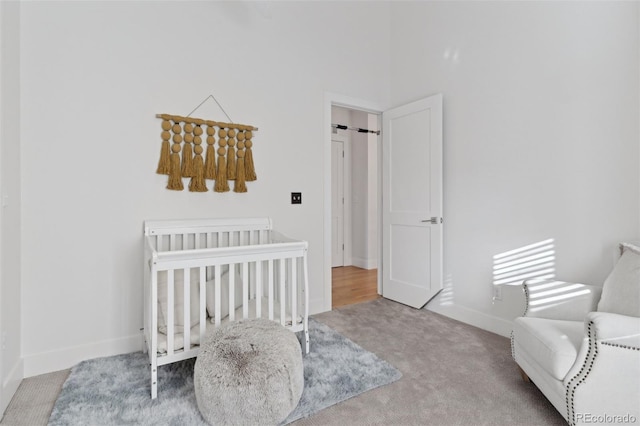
154	382
306	338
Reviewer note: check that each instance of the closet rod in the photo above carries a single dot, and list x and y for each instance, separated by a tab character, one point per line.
357	129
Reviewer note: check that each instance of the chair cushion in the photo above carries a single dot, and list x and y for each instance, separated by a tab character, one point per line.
554	344
621	289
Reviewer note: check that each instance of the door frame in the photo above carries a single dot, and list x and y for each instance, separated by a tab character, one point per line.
334	99
346	193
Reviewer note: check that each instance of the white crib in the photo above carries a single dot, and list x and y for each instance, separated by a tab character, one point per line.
217	270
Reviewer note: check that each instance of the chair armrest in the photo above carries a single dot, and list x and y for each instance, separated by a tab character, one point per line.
614	329
604	378
560	300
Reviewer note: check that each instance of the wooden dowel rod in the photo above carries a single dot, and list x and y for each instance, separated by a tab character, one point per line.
207	122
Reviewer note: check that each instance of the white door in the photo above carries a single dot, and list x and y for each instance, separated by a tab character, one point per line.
412	202
337	203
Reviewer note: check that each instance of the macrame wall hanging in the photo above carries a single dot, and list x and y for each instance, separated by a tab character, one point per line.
232	161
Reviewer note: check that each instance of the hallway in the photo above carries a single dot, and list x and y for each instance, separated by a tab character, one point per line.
353	285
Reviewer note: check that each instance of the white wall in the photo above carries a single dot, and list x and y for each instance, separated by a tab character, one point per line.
540	133
11	370
93	77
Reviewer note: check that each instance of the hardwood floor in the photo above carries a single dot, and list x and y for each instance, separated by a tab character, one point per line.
350	285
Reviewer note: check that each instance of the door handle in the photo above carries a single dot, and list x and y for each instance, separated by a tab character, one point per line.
434	220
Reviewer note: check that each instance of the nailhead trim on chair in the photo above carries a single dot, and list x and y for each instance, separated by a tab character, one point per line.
524	314
570	393
513	349
633	348
526	298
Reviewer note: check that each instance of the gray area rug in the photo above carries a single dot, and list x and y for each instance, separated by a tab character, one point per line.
116	390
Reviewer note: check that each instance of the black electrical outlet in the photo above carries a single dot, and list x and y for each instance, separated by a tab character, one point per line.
296	198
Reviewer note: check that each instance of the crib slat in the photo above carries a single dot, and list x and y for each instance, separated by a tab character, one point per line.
187	309
270	279
172	242
245	296
250	277
232	293
283	293
216	293
245	285
258	266
209	243
203	302
170	311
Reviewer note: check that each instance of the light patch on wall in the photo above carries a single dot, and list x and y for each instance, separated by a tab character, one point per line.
533	261
452	55
554	293
446	295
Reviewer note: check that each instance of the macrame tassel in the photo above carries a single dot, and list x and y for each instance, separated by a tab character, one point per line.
239	185
231	155
187	153
175	179
210	163
250	171
221	178
231	162
164	166
197	183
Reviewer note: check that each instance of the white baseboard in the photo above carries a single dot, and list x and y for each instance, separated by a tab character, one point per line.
365	263
10	385
472	317
62	359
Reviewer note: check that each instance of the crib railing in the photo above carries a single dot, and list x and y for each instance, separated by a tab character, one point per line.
211	233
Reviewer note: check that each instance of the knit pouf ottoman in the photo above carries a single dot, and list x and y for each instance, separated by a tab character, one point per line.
248	372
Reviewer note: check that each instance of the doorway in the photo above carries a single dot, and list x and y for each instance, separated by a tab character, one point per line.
354	206
410	263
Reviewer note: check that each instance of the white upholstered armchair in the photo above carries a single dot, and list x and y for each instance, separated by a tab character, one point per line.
580	344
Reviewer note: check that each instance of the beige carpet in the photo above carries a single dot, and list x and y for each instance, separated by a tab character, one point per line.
34	399
453	374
